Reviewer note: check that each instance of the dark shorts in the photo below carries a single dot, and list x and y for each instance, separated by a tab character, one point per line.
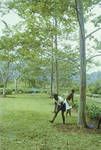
62	107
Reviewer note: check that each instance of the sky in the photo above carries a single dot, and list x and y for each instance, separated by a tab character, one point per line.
12	19
90	27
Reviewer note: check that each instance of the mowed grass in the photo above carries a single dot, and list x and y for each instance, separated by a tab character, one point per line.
24	125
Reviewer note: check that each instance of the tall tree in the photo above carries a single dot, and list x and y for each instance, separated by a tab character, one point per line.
38	16
82	107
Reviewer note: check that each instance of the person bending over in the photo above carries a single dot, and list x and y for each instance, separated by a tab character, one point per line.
61	105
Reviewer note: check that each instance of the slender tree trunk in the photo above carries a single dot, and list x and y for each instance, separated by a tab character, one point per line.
4	91
15	81
57	75
82	105
56	61
52	69
5	79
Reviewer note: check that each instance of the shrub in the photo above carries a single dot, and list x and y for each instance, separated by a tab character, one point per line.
1	85
1	91
8	91
76	105
93	111
20	91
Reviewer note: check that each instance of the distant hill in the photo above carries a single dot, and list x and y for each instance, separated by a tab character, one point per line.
91	78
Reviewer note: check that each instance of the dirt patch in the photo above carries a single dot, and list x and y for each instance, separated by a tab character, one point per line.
72	128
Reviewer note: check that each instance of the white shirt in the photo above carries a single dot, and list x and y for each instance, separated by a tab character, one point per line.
60	99
67	105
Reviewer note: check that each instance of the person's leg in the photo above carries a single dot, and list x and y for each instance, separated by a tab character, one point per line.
69	111
66	113
55	115
55	108
63	116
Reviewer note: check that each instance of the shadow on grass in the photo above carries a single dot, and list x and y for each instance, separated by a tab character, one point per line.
73	128
7	96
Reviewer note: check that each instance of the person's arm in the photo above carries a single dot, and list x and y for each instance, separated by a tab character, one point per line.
56	101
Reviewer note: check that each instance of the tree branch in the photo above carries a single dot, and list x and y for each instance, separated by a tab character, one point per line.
93	57
5	24
92	33
78	13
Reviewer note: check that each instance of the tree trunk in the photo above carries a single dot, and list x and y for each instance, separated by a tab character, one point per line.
56	61
5	79
57	83
52	69
82	105
4	90
15	81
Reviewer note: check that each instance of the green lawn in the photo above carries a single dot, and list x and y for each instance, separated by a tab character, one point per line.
24	125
